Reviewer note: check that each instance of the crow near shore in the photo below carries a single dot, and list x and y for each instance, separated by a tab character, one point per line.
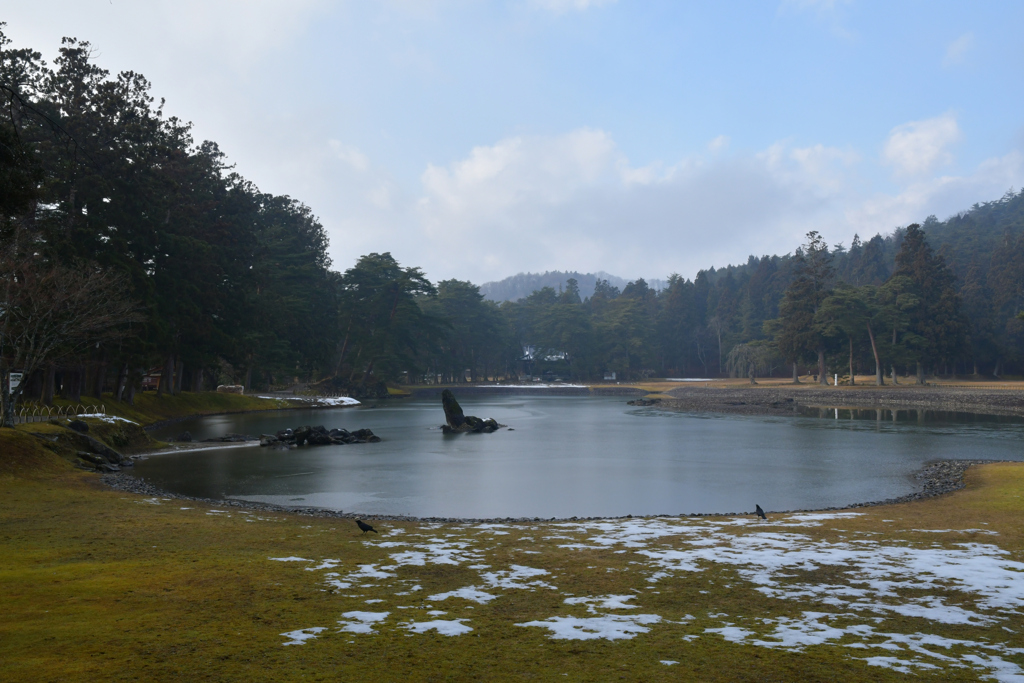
366	527
760	513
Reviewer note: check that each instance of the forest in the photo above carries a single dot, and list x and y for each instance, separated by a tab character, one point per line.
127	249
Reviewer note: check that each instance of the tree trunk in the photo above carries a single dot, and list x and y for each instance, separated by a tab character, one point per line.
995	370
751	373
130	399
178	376
75	390
122	381
166	377
101	376
248	379
879	373
822	378
894	380
852	382
719	354
6	400
51	376
796	377
920	373
197	380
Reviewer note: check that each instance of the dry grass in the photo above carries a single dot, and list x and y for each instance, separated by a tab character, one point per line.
102	585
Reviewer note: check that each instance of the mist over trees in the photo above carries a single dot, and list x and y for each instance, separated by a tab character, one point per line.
193	271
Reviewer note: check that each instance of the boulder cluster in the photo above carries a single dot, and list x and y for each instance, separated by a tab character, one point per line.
644	402
99	456
316	436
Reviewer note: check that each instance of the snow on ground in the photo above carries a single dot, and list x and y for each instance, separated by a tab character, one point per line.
455	627
609	626
856	584
361	622
319	400
471	593
603	602
109	419
535	385
302	635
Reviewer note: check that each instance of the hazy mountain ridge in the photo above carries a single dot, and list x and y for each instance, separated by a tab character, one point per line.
523	285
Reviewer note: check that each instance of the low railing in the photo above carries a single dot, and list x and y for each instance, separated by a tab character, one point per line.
36	413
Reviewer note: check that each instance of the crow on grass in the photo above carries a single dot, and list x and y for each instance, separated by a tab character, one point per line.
760	513
366	527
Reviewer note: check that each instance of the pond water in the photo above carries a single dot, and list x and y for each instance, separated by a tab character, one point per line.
585	456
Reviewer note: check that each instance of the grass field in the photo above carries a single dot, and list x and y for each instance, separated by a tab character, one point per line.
101	585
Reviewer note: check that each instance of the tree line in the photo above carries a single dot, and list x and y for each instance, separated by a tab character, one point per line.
126	245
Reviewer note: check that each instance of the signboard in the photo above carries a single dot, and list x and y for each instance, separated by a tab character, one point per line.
15	380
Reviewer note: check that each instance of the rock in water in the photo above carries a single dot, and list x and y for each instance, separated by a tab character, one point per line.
453	414
459	421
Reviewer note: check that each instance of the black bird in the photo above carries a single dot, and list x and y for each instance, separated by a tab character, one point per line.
760	513
366	527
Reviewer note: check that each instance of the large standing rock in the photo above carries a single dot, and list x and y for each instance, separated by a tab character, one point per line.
453	414
459	421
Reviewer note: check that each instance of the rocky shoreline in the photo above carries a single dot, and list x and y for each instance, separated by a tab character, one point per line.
786	401
938	478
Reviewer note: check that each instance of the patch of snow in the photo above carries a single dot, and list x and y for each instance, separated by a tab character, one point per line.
437	551
370	571
515	576
109	419
324	564
471	593
361	622
336	401
608	627
603	602
455	627
902	666
537	385
302	635
669	662
289	559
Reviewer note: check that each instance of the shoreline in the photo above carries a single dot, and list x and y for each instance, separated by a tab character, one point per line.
310	405
939	478
786	401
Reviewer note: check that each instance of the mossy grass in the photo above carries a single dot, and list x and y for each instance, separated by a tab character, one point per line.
97	584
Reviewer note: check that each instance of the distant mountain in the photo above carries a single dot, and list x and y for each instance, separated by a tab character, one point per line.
524	284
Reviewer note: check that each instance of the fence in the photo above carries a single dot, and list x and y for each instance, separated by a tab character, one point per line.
35	413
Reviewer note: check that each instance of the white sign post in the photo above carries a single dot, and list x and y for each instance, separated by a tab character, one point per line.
15	380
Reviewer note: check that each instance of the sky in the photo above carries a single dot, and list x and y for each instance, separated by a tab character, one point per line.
477	140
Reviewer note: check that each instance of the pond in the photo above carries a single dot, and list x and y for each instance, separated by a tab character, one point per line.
579	456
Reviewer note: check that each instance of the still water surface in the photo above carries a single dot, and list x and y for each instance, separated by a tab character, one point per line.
579	456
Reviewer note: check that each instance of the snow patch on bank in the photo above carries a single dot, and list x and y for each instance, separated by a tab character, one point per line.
608	627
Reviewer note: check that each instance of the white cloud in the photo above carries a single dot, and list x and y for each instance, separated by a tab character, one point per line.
941	196
958	49
350	155
816	5
563	6
719	143
575	201
919	147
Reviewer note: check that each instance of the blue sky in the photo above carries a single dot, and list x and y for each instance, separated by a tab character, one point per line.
480	139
